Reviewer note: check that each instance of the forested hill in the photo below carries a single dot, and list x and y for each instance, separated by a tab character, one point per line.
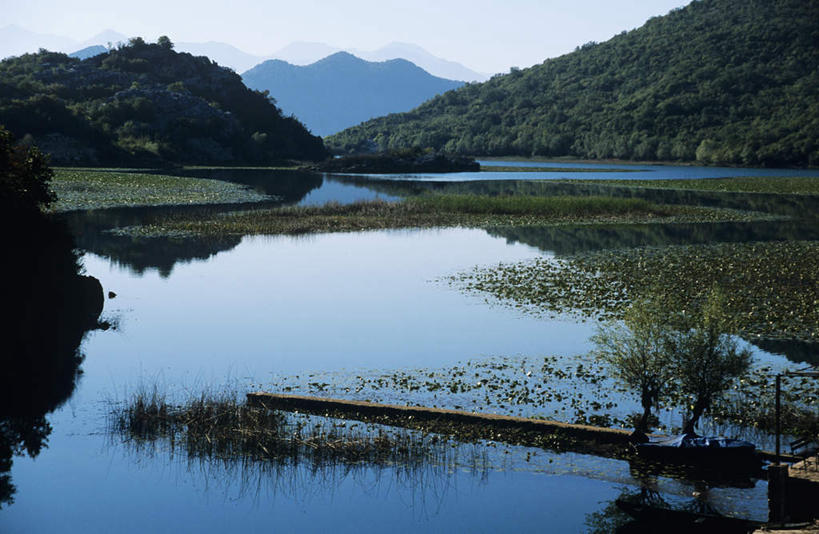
144	104
719	81
342	90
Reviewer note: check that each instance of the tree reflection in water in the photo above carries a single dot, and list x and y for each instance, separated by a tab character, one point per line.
49	308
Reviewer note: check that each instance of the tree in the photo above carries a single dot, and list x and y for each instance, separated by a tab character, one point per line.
660	352
24	176
165	42
707	359
636	352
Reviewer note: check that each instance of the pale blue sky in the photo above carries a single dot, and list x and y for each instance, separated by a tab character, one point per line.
485	35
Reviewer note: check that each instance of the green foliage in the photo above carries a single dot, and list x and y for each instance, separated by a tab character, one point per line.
88	189
688	354
144	104
741	90
707	360
795	185
636	352
164	42
24	176
551	207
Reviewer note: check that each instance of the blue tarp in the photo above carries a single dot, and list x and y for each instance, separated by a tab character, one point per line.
692	441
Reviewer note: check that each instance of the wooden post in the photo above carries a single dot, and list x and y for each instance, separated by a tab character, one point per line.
777	493
778	414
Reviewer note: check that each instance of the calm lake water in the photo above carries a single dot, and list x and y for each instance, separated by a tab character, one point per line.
243	312
604	171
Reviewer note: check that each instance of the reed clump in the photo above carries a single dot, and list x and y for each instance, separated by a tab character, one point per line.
220	426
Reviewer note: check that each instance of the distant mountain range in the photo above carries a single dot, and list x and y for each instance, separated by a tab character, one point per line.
342	90
718	81
305	53
15	40
89	51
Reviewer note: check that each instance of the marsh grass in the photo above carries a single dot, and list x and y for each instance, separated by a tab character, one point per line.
219	426
83	189
800	185
443	210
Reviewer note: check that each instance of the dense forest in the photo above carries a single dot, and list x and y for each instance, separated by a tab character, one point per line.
718	81
145	104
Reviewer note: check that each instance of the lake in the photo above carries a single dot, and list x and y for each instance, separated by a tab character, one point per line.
255	312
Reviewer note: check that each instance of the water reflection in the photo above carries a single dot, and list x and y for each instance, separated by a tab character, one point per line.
293	187
253	452
49	308
568	240
92	229
646	511
278	457
801	206
793	349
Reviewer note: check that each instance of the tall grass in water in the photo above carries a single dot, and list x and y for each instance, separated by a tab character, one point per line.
218	426
558	206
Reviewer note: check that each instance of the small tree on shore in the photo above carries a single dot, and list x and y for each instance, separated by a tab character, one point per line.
659	352
24	176
706	358
636	352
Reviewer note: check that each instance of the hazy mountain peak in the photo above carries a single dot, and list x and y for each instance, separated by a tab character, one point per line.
222	53
105	37
342	90
16	40
342	56
89	51
419	56
304	52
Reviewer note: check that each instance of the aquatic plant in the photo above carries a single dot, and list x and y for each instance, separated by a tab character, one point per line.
792	185
220	426
772	288
569	388
443	210
83	189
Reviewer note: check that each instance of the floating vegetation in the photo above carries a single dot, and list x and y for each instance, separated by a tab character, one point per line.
772	288
571	389
541	387
794	185
428	211
92	189
752	404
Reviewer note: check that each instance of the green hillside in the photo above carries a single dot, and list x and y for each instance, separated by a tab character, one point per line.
144	104
718	81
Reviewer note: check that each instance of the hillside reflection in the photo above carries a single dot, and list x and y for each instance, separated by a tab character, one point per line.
51	307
